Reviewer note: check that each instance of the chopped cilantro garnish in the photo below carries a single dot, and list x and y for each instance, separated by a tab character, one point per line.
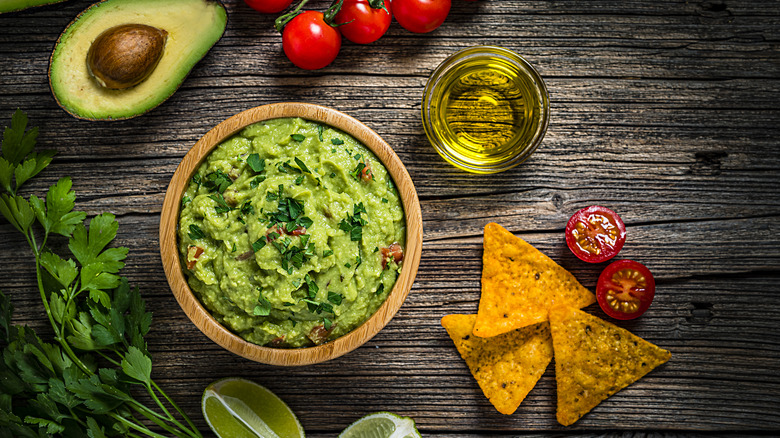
358	170
222	205
217	181
286	304
311	286
335	298
376	249
247	208
259	244
296	283
327	323
197	179
358	156
333	174
359	208
185	200
358	261
327	253
263	307
256	181
240	219
347	265
196	233
234	249
299	180
384	200
298	137
336	141
380	289
302	165
319	132
257	164
333	151
354	224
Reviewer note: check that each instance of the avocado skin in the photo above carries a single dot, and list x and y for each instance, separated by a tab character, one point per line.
20	5
72	99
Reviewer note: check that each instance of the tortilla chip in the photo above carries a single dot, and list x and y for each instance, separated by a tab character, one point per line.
595	359
520	284
506	367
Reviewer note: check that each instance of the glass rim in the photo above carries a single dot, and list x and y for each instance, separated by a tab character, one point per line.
534	79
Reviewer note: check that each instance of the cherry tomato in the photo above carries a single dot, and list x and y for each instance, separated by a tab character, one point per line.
595	234
309	42
268	6
625	289
421	16
364	24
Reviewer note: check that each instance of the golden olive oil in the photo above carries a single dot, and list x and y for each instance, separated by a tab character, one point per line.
486	112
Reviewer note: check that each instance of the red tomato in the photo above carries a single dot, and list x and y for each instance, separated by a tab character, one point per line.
393	252
421	16
309	42
364	24
625	289
268	6
595	234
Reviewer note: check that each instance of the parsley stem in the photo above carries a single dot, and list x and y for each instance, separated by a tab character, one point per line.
139	427
192	433
175	406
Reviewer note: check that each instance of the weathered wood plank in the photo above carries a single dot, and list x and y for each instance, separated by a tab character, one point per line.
666	111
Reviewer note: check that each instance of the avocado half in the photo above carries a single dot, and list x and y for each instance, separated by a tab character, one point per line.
18	5
192	26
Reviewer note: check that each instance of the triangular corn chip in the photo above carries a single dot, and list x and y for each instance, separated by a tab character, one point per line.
506	367
520	284
595	359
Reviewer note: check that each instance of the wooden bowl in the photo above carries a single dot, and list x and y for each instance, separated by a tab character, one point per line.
193	307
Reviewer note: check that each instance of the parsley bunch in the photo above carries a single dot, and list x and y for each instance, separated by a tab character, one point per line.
81	384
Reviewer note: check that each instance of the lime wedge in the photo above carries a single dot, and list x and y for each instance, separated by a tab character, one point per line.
239	408
381	425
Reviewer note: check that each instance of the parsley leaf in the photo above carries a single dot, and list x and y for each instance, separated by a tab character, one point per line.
263	307
259	244
217	181
254	162
337	141
335	298
298	137
302	165
196	233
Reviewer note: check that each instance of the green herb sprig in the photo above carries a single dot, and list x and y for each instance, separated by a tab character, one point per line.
80	384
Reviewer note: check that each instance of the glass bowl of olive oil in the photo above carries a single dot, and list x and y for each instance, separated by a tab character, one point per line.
485	109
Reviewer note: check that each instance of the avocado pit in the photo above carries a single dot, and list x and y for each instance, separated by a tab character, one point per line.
124	56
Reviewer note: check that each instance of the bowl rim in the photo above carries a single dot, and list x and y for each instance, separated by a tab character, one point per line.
203	319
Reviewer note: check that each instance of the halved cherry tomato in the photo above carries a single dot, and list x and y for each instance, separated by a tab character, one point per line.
361	23
393	252
268	6
625	289
595	234
421	16
309	42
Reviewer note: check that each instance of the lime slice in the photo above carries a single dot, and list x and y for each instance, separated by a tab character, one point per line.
239	408
381	425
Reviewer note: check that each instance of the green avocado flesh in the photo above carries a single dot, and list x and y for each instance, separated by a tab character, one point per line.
281	238
18	5
193	27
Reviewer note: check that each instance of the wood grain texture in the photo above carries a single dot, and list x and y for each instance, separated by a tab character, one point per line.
667	111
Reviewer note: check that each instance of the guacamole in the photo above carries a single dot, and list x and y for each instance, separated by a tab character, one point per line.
291	233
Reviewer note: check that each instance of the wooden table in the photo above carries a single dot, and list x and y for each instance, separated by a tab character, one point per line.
666	111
